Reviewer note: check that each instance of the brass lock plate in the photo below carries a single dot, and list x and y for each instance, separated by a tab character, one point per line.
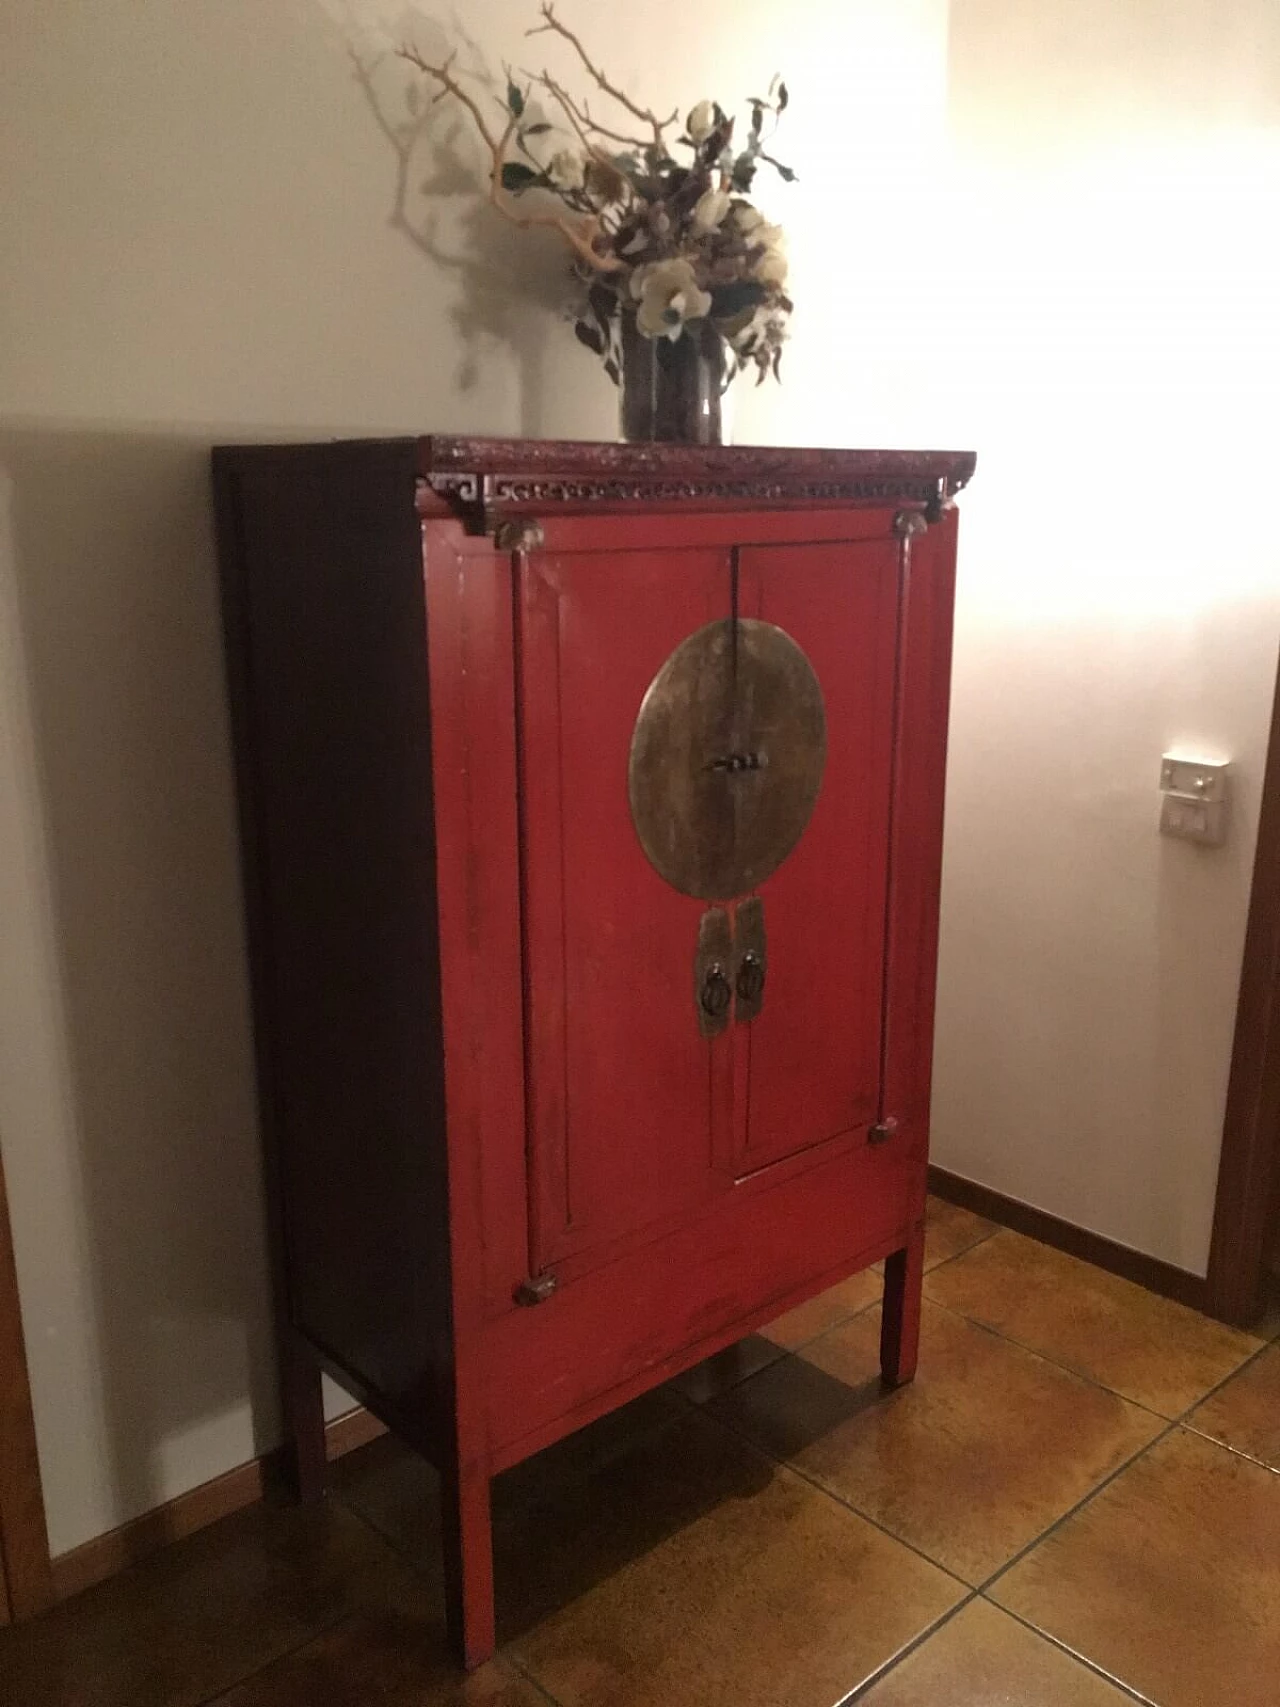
727	757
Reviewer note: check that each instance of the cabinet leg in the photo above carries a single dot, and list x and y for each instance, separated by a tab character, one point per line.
303	1402
468	1564
900	1320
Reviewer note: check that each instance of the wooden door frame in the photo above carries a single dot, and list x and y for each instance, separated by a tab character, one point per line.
26	1576
1249	1170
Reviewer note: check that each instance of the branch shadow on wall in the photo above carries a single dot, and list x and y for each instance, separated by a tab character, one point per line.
114	589
510	282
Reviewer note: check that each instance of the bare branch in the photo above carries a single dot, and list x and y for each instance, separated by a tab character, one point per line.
646	115
614	135
449	85
579	235
579	122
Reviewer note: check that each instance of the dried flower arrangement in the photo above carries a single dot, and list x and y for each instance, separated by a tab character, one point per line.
675	243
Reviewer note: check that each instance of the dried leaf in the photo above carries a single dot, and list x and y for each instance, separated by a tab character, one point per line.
603	305
588	335
516	176
731	299
744	172
736	323
515	100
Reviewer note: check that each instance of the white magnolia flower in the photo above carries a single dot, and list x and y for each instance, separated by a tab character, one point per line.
668	294
747	218
567	170
771	268
710	210
701	121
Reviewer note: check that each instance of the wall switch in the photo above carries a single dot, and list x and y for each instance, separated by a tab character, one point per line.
1194	806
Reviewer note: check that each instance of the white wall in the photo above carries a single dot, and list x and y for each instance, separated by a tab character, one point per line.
1115	357
197	247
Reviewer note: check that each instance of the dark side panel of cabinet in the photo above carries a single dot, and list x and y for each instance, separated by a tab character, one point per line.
326	652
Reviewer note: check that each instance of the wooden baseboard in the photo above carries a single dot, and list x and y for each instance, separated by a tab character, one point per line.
93	1561
352	1429
1156	1276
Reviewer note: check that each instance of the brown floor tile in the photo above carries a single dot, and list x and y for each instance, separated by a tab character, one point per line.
587	1524
702	1574
1170	1579
715	1375
395	1660
1245	1414
203	1614
836	1305
983	1658
949	1230
1151	1350
397	1491
982	1452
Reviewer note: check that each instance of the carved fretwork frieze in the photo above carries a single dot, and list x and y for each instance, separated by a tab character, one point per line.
485	481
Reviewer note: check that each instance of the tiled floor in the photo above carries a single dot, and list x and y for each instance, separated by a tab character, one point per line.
1076	1504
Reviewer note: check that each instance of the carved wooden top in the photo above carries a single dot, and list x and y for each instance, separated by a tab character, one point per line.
483	479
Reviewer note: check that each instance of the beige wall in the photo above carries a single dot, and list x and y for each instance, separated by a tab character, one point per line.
197	247
1116	355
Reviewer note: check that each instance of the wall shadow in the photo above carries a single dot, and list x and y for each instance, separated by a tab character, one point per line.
115	591
510	282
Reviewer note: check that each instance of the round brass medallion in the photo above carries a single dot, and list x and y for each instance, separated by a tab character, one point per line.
727	757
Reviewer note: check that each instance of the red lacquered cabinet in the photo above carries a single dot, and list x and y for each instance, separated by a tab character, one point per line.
591	802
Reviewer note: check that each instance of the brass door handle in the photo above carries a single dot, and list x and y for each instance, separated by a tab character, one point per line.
716	994
712	991
753	958
750	980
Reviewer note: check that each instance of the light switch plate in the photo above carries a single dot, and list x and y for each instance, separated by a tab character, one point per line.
1194	779
1192	821
1194	807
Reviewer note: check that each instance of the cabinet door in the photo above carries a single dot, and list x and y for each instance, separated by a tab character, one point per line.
767	781
625	1093
807	1067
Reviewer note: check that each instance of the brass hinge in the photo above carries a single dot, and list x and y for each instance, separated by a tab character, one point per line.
535	1290
522	534
909	522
